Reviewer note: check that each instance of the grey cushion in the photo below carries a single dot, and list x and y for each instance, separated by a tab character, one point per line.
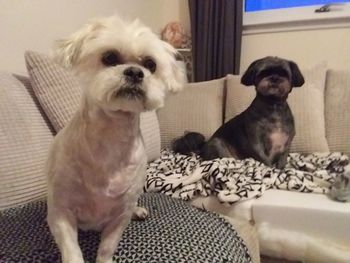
199	107
24	142
338	110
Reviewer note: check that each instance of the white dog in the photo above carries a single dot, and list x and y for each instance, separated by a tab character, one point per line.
96	166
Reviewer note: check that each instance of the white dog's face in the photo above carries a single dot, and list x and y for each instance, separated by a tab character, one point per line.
124	66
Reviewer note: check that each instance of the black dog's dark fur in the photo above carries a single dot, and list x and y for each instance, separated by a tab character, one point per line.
264	131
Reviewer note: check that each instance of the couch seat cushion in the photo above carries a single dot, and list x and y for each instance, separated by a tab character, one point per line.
312	214
174	232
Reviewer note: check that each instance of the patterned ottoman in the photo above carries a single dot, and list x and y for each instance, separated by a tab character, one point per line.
174	232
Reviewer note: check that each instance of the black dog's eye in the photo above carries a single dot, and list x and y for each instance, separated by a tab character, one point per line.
273	71
150	64
111	58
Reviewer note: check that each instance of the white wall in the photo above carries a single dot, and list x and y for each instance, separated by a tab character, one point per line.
307	48
35	24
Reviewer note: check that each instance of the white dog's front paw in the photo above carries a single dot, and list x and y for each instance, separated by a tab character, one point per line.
73	259
139	213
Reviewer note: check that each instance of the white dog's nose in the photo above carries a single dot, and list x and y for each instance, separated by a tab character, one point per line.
133	74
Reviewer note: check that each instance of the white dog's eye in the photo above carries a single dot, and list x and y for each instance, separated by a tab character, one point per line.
149	64
111	58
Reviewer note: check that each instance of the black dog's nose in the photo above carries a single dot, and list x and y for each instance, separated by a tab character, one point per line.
274	78
134	74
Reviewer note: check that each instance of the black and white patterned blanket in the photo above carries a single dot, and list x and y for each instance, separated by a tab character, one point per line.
231	180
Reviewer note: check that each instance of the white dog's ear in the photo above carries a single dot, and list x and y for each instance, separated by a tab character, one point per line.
177	77
67	51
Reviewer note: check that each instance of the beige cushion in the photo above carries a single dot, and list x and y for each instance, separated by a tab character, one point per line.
199	107
24	141
59	94
338	110
151	135
306	103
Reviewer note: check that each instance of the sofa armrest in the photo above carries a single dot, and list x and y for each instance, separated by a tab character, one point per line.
199	107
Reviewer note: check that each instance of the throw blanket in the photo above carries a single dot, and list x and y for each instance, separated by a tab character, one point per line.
232	180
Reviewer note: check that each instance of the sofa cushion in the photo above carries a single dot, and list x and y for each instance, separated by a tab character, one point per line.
59	94
338	110
151	135
306	103
310	227
24	141
199	107
175	231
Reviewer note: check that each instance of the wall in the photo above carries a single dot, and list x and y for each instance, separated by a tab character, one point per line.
307	47
35	24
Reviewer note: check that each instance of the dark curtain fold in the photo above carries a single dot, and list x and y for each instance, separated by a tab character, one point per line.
216	29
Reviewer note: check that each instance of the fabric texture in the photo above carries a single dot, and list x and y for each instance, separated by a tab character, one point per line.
231	180
57	90
338	110
151	135
216	30
24	142
174	232
306	103
59	94
199	107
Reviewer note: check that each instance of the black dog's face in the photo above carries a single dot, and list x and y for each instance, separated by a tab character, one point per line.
273	80
273	77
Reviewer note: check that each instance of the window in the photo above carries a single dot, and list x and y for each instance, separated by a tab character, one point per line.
259	5
298	12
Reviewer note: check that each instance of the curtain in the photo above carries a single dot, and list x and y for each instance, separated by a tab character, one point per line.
216	29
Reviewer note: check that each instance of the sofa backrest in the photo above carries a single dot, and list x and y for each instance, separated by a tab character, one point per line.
26	131
321	109
198	107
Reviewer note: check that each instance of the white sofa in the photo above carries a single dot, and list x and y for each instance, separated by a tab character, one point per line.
292	225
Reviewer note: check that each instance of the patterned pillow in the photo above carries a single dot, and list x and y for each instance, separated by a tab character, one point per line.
24	142
306	103
59	94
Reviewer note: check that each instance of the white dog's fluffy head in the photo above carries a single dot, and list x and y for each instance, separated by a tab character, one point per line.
124	66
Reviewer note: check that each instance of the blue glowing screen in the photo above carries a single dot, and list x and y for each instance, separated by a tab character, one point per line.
259	5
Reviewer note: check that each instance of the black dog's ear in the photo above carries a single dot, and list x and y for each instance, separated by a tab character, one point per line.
248	78
297	77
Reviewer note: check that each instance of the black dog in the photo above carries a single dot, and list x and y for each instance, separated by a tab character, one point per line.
265	130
